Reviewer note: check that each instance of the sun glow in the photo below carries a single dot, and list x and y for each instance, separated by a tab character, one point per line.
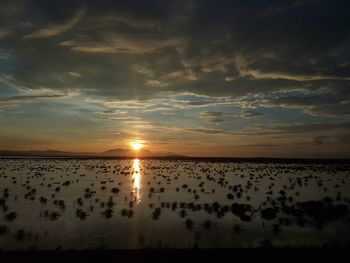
136	145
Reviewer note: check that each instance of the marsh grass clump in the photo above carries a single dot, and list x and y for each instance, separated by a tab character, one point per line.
54	216
115	190
124	212
276	228
130	213
3	230
108	213
66	183
237	229
229	196
20	234
266	243
80	201
81	214
11	216
60	203
110	203
189	224
183	213
207	224
173	206
241	211
6	193
156	213
43	200
269	213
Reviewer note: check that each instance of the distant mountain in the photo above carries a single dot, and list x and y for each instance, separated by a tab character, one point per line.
126	153
119	152
116	152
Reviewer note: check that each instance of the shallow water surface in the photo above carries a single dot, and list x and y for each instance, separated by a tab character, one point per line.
131	203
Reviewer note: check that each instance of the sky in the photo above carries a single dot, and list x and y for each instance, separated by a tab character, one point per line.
192	77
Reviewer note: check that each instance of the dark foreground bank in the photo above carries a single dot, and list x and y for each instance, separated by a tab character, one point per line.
326	254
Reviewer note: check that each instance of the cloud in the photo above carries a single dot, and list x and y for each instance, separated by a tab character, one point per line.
281	129
27	99
122	115
123	44
208	131
209	55
120	18
114	112
303	128
250	114
10	9
10	81
204	103
328	102
142	70
56	29
343	139
280	75
155	83
74	74
187	54
3	34
215	116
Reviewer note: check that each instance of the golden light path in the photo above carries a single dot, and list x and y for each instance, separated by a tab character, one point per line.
136	178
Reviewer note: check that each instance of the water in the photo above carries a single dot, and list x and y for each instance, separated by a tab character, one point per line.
131	203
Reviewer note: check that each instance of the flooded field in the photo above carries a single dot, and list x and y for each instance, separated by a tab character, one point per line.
68	204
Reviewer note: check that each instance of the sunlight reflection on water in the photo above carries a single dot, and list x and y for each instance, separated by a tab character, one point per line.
136	178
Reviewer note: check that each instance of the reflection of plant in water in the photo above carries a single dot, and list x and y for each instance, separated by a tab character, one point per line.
235	231
3	230
189	224
141	240
20	235
197	237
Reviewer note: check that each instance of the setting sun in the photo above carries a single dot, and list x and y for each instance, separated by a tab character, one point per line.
136	146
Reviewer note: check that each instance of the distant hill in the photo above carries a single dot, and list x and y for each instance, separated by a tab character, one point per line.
119	152
125	152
